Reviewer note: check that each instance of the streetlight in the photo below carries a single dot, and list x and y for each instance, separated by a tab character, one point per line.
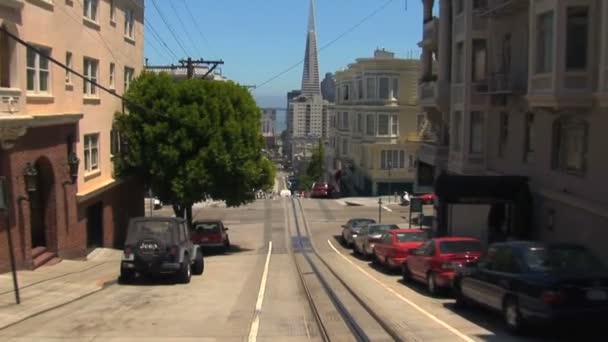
380	210
390	166
31	178
73	162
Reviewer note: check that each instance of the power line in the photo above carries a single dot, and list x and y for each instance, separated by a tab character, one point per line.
185	29
158	37
158	50
160	13
325	46
199	29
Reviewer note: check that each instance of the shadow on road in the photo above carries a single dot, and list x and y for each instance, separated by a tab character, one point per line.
421	289
384	270
218	251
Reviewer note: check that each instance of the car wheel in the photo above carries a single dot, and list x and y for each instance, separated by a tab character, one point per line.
406	274
430	284
199	263
512	316
126	276
226	247
375	259
185	273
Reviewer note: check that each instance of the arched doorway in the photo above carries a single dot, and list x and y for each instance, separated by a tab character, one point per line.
43	206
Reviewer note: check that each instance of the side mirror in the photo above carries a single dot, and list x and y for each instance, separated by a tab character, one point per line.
225	228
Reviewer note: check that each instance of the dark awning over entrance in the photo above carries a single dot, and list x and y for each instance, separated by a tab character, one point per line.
480	189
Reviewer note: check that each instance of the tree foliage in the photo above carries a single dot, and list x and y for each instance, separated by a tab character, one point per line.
192	140
315	170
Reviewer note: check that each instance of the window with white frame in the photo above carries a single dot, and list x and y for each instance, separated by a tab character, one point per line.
577	35
90	67
91	152
383	124
529	137
544	42
570	145
360	88
112	75
370	88
476	131
129	21
396	88
479	60
345	123
456	129
370	124
68	63
394	125
359	123
7	49
89	8
128	77
38	71
346	92
113	11
392	159
383	87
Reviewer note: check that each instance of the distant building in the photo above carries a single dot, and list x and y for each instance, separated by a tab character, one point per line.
180	73
328	87
290	96
269	119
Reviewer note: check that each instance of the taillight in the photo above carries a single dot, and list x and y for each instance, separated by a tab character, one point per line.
552	297
128	251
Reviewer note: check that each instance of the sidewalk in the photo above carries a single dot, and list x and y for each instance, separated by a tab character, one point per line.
49	287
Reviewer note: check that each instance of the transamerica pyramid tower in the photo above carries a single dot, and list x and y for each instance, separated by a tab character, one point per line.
310	78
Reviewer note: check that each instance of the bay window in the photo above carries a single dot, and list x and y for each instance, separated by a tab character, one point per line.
370	125
383	124
577	26
544	43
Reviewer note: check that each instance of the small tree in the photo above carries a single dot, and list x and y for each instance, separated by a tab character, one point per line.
193	140
316	167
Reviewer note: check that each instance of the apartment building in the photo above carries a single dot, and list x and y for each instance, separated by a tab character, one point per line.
516	115
56	130
268	124
374	125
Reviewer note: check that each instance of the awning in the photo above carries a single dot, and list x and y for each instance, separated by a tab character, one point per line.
480	189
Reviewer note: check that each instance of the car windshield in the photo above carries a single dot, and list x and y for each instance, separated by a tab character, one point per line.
361	223
570	259
161	230
411	237
378	229
207	227
448	247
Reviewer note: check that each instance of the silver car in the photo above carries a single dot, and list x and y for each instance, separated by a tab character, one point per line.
369	236
351	229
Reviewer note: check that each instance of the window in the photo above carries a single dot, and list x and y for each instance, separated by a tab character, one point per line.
360	88
359	123
570	141
370	125
90	72
476	143
505	67
346	92
529	138
383	87
68	63
113	11
456	130
345	120
459	67
6	54
459	6
503	134
91	152
544	43
395	125
114	142
383	124
370	88
112	75
402	159
90	9
38	71
576	38
344	147
479	60
396	88
129	22
480	4
128	77
391	159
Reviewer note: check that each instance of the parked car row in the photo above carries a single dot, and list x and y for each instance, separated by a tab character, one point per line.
528	282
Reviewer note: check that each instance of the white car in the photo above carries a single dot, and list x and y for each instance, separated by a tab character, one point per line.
285	193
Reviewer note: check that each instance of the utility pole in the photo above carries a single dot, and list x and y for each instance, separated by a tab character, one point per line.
189	65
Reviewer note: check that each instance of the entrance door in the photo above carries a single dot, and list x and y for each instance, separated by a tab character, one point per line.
43	207
37	209
95	226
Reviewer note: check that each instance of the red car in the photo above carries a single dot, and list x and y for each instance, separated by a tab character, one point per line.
321	190
210	233
394	246
434	263
427	198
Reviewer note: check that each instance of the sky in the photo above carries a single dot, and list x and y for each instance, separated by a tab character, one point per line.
258	39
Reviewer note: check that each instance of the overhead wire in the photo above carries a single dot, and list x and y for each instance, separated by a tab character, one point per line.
160	13
199	30
185	29
330	43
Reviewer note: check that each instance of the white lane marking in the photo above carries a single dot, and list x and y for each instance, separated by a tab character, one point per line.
412	304
255	325
387	209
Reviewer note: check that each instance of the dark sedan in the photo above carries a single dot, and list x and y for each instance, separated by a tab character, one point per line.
533	282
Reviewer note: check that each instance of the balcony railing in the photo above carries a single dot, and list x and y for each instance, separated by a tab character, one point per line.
10	100
498	84
497	8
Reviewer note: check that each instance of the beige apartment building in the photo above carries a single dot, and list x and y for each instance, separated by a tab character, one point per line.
374	125
517	113
56	129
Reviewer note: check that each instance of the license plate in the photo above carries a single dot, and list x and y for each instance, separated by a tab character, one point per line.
597	295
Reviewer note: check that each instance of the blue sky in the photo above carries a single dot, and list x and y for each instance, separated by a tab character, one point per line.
258	39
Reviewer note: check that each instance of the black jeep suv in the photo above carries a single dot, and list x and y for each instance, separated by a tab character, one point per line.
160	245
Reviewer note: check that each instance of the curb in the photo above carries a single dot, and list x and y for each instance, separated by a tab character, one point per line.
102	283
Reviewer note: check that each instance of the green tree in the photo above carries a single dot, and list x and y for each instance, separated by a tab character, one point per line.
192	140
315	170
